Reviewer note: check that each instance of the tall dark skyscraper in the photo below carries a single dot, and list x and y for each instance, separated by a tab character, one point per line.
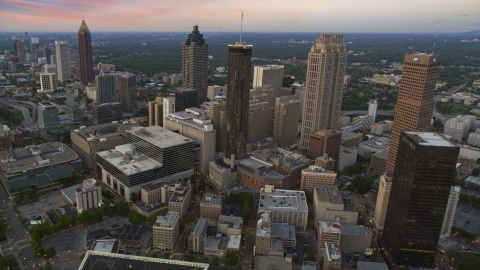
127	91
195	64
238	87
19	51
85	54
422	179
415	98
47	52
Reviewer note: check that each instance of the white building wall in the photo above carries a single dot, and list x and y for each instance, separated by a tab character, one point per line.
450	211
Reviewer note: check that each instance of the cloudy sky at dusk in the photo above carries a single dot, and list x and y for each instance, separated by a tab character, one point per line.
259	16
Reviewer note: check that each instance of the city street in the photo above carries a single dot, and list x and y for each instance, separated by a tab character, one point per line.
21	241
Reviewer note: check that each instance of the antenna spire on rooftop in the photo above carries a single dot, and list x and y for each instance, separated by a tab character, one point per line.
241	28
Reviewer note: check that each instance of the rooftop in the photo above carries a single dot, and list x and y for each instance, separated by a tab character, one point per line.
110	131
69	193
271	263
270	66
232	221
192	117
282	200
168	220
317	169
382	154
263	169
333	251
87	185
283	230
199	228
347	135
332	195
210	198
159	136
106	245
331	227
234	242
429	139
355	230
94	260
126	159
216	243
35	156
371	265
281	157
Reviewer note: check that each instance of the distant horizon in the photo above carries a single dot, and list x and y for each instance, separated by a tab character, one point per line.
342	16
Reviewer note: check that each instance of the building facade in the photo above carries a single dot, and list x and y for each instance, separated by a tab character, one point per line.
48	82
195	65
85	55
106	84
325	142
315	176
211	207
324	83
383	196
285	120
198	236
415	99
332	205
185	98
327	232
269	75
127	91
47	115
238	85
106	112
89	196
262	127
165	231
422	179
155	112
62	54
450	212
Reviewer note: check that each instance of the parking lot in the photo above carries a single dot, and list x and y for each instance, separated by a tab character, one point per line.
234	209
48	202
468	218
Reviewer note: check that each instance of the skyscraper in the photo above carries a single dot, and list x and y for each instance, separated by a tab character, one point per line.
238	85
34	44
106	88
382	202
62	53
372	108
285	120
85	54
455	192
19	52
422	179
47	52
195	64
415	99
323	90
269	75
325	142
127	91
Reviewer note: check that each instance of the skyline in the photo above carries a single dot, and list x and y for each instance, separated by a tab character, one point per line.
287	16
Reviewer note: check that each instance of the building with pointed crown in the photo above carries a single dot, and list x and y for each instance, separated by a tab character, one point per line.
85	54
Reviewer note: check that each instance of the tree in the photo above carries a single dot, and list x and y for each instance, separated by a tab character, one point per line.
133	197
50	252
215	260
476	171
437	124
47	266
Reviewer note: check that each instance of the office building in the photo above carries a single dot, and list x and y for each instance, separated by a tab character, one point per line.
162	197
372	108
355	238
94	260
89	196
458	127
39	166
127	91
324	84
326	162
262	127
62	55
333	257
293	210
351	139
87	141
5	142
152	155
455	192
217	112
381	127
363	122
195	66
47	52
48	82
383	196
185	98
34	44
211	207
347	157
238	85
474	138
264	94
47	115
273	238
229	225
332	205
198	236
378	162
327	232
106	84
214	90
325	142
422	179
75	105
50	68
168	106
106	112
165	231
192	123
315	176
85	55
19	51
271	75
415	98
285	120
155	112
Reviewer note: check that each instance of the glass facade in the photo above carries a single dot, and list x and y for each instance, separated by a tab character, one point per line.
423	176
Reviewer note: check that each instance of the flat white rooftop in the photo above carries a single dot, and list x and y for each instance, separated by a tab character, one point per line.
282	200
429	139
159	136
129	164
331	227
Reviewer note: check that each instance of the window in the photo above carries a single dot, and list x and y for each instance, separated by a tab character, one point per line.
108	180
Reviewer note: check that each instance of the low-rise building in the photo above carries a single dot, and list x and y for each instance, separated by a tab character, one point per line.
47	115
229	225
211	207
198	236
363	122
378	162
315	176
355	238
474	138
40	166
351	139
285	206
107	112
458	127
108	245
216	246
347	157
89	196
332	205
164	196
333	257
326	162
327	232
5	142
165	231
381	127
473	182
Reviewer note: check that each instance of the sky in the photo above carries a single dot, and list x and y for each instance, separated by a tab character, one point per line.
259	16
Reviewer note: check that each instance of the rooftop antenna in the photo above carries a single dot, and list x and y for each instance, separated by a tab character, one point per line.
241	28
435	41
